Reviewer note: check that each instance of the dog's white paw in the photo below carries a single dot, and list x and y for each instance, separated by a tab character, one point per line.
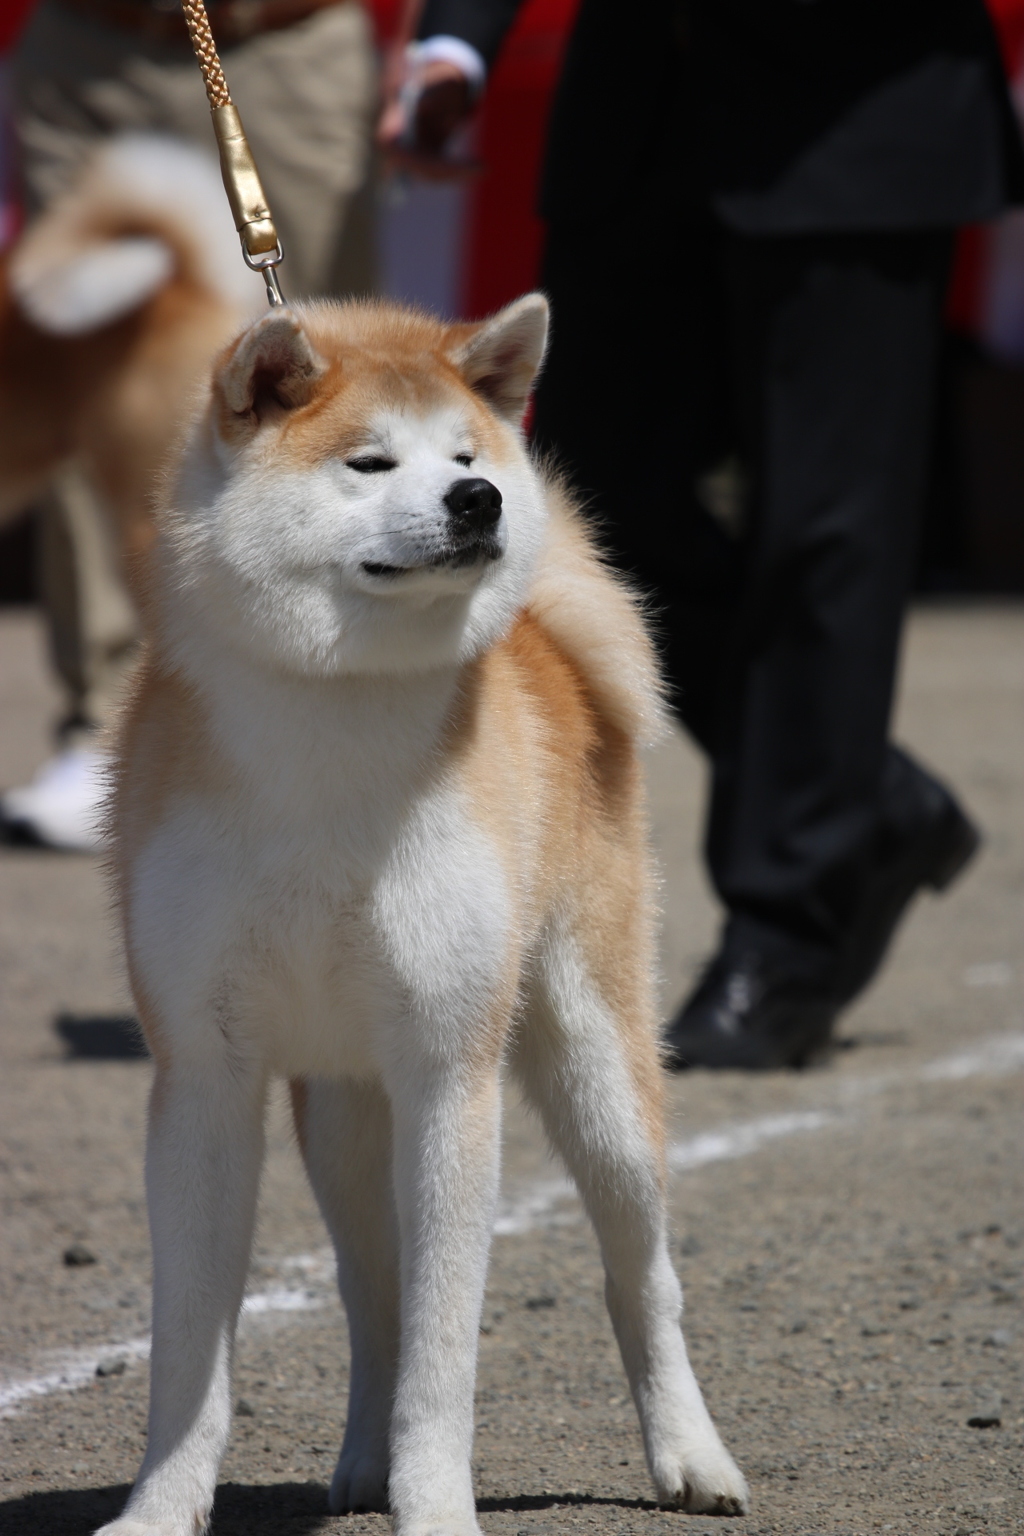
359	1484
705	1481
453	1525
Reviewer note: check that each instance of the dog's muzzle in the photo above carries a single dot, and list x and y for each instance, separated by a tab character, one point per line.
474	512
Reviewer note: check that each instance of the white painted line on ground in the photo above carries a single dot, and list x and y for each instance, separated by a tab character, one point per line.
1003	1054
537	1207
741	1139
74	1369
282	1299
77	1368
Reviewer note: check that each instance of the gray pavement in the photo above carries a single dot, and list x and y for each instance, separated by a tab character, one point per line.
851	1238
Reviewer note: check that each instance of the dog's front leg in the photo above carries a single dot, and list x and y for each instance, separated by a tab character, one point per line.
344	1131
446	1140
203	1162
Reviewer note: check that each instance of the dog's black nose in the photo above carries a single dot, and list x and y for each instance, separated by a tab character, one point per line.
473	505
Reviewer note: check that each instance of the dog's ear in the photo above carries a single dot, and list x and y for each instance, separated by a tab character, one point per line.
272	367
501	358
73	291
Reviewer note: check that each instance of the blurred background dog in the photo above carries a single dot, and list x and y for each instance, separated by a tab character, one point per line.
111	307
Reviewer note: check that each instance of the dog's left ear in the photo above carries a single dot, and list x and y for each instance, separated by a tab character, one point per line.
501	358
273	367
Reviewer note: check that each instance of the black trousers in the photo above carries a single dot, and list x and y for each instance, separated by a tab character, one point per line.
805	364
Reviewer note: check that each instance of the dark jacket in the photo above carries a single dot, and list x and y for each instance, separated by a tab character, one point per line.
785	116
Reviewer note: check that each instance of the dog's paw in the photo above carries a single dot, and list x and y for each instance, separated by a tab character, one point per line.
359	1485
455	1525
705	1481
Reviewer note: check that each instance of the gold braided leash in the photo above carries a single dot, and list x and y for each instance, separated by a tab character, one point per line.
261	247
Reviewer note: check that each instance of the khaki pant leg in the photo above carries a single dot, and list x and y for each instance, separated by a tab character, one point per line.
308	99
307	95
92	622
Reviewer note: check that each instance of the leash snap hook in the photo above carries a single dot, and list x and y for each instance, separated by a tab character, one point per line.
266	263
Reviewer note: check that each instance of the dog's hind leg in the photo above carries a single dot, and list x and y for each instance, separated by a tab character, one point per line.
344	1130
597	1088
203	1159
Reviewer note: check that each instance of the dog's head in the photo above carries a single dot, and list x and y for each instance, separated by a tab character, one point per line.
358	496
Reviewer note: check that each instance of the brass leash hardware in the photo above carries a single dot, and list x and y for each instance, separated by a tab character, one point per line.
261	247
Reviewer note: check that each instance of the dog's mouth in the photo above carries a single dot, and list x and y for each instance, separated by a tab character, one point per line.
452	558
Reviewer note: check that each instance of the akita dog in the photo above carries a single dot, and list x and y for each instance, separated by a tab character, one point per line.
379	827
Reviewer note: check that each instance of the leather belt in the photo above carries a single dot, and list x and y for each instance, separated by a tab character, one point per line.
232	20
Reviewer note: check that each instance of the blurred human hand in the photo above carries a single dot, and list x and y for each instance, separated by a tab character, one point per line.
425	102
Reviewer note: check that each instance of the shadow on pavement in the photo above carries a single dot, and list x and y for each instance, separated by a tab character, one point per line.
523	1502
281	1509
100	1037
14	834
241	1509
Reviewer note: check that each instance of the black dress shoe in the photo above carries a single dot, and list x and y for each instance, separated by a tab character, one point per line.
753	1010
767	1001
924	840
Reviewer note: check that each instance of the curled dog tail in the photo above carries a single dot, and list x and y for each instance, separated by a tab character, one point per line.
595	619
144	212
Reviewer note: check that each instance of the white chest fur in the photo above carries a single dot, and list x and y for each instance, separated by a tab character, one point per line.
336	893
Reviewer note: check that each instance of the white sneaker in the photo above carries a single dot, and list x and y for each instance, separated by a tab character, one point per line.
62	807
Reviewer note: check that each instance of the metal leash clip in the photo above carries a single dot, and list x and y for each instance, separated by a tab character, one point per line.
261	247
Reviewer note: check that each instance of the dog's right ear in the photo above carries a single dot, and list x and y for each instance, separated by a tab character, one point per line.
273	367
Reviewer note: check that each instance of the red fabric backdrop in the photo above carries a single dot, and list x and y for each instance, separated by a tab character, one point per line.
963	301
505	235
12	15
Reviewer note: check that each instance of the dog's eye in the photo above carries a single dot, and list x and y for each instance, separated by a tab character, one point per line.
371	464
465	459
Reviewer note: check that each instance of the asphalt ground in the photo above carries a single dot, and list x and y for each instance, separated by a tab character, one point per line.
850	1238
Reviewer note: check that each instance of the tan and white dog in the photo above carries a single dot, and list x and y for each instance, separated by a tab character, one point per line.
380	828
112	306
